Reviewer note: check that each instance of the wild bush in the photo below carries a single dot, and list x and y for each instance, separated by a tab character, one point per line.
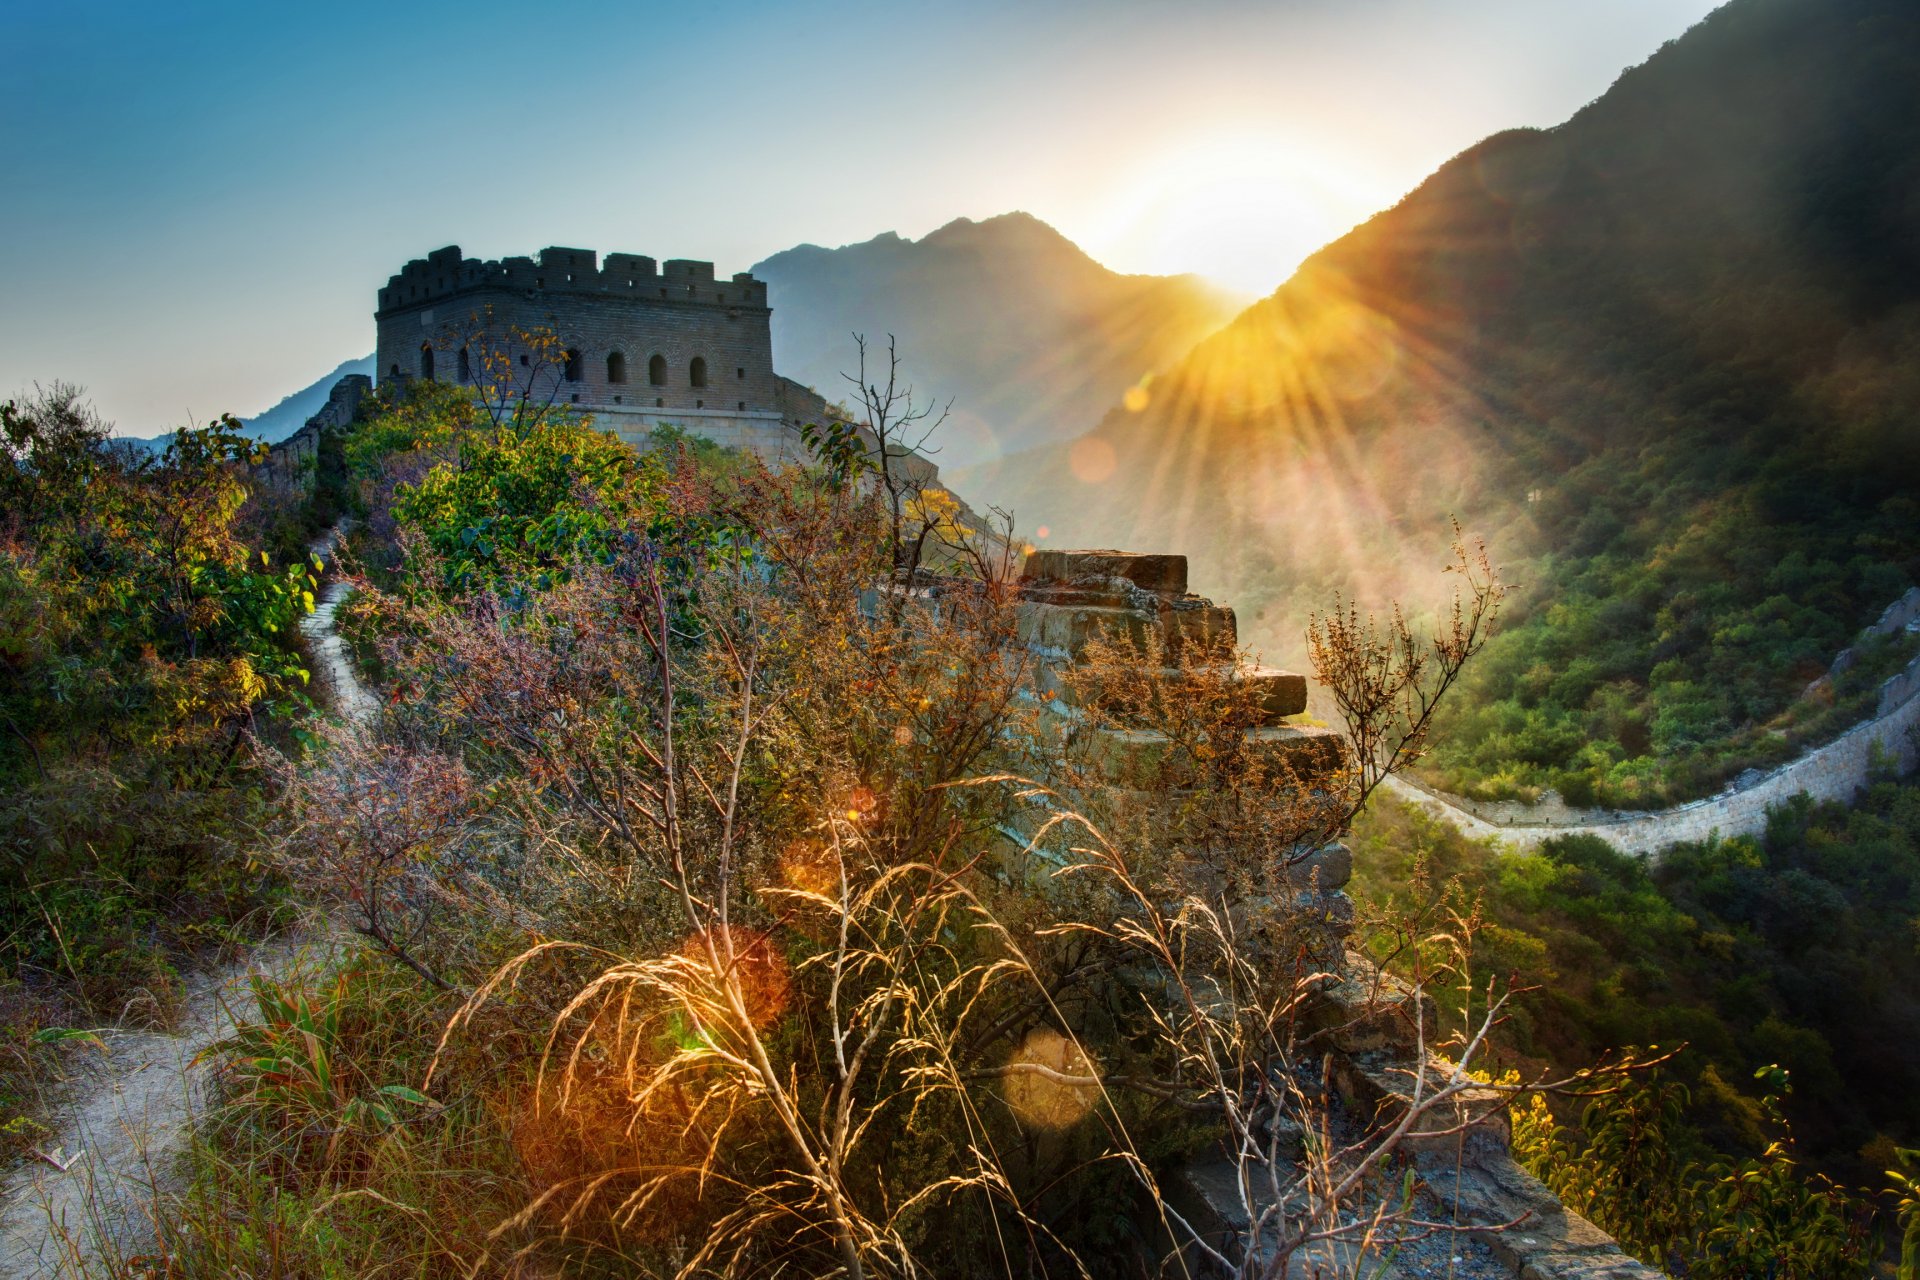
144	641
734	774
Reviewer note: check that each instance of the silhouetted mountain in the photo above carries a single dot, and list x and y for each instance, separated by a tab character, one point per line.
1665	355
1030	337
291	414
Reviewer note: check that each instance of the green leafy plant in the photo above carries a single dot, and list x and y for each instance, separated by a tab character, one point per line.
1906	1187
284	1067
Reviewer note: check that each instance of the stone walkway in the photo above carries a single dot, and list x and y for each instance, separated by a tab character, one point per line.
1832	772
132	1110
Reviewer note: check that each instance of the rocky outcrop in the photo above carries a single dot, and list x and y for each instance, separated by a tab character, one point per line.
1068	600
1375	1029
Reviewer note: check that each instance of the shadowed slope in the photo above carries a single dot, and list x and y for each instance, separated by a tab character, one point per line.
1662	355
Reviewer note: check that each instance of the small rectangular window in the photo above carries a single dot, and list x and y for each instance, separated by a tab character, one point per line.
743	406
740	373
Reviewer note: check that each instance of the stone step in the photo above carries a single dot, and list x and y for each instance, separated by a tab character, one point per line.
1166	574
1069	629
1124	755
1280	693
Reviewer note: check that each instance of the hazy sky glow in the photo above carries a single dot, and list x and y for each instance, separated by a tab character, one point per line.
203	197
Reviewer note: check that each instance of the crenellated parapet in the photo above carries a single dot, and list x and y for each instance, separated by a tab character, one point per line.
643	344
444	275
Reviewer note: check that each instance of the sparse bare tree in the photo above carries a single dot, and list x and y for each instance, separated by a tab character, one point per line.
1387	682
515	373
903	428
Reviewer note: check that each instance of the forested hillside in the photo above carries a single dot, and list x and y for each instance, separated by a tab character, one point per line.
1030	337
1662	355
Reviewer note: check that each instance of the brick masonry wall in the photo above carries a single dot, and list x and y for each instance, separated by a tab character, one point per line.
679	313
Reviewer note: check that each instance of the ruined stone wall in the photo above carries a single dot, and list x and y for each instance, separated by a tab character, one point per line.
1377	1029
292	463
1069	599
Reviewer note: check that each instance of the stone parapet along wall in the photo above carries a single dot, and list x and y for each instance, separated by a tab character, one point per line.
1833	771
1898	689
291	463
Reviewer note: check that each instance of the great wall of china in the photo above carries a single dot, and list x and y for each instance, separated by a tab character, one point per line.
1066	598
1834	771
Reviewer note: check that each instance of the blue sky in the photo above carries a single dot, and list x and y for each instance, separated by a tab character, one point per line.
202	198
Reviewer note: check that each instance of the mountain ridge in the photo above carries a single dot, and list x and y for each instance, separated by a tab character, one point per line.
1662	354
1025	332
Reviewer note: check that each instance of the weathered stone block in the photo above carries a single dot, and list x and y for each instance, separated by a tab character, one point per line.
1161	573
1308	751
1070	628
1367	1011
1383	1081
1486	1189
1305	752
1327	868
1329	911
1102	592
1207	628
1282	693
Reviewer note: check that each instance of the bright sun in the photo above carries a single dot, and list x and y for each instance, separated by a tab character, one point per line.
1240	209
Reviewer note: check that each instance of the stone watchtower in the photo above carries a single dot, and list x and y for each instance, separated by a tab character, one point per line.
647	344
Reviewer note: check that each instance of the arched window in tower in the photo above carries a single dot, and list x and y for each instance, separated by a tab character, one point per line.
426	361
466	366
697	371
657	371
616	366
573	364
394	371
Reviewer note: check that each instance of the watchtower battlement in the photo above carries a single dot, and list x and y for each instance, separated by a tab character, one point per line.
445	274
647	343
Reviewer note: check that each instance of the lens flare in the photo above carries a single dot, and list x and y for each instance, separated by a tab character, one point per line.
749	960
1092	460
810	868
1052	1083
